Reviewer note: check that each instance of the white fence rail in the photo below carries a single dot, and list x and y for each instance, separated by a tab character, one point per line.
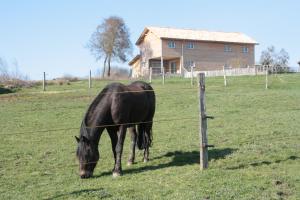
229	72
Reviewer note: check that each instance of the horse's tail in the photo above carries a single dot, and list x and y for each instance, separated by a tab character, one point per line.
144	135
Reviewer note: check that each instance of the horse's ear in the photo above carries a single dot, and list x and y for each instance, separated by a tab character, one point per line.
86	140
77	139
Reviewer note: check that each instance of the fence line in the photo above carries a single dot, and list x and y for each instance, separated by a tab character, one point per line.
103	126
192	119
157	95
84	90
9	96
229	72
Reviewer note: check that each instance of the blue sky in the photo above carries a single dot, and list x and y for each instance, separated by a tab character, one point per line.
51	35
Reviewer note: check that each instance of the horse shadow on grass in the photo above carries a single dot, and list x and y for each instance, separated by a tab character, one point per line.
179	158
262	163
100	193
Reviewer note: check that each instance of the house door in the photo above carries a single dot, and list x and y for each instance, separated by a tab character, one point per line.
173	67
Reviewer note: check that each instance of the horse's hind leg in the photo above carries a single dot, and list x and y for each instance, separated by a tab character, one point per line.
146	154
133	133
148	129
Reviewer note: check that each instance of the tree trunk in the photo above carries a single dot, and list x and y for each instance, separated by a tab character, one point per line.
108	70
104	66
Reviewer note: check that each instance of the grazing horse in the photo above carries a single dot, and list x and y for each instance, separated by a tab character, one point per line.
116	108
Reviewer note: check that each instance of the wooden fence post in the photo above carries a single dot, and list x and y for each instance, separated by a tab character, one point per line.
44	81
192	76
203	124
225	81
90	80
162	69
266	69
150	75
163	75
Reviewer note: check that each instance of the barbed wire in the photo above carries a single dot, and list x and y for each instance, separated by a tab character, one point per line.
102	126
158	93
90	97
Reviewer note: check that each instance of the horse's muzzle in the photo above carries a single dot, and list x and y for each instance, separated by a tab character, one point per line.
86	174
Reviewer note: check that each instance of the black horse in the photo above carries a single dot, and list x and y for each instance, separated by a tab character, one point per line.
115	109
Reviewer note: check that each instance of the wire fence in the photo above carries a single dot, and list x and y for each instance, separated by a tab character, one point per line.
162	93
102	126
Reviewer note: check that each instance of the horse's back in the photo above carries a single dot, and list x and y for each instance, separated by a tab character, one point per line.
141	84
132	103
150	95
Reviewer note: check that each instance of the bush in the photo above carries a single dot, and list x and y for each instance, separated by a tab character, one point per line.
4	90
70	78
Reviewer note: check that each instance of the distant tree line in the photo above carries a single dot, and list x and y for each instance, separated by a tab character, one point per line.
11	79
10	75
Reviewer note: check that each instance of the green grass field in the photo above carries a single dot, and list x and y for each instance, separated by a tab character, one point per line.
255	133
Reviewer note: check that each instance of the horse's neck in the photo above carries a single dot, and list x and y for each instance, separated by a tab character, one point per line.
97	116
94	124
92	132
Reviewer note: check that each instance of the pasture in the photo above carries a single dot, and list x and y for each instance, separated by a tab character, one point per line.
255	133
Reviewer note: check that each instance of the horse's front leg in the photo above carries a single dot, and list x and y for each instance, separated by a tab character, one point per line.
112	131
131	159
119	149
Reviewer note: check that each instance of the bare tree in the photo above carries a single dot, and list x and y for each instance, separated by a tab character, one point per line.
267	56
277	62
111	41
282	61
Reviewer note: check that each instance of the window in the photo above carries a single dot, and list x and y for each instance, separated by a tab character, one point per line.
190	45
171	44
245	49
227	48
189	63
173	67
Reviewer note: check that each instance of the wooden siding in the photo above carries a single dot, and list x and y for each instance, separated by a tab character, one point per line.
210	55
150	47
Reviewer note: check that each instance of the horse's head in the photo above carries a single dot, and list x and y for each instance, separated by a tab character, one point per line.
88	156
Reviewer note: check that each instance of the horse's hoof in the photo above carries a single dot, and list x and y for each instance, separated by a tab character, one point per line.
116	174
145	160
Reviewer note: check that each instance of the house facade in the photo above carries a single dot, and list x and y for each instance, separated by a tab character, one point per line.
177	50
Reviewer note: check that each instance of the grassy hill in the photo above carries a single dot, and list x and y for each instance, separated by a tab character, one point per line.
255	133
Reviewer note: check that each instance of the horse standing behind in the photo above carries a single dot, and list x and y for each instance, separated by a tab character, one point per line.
116	108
